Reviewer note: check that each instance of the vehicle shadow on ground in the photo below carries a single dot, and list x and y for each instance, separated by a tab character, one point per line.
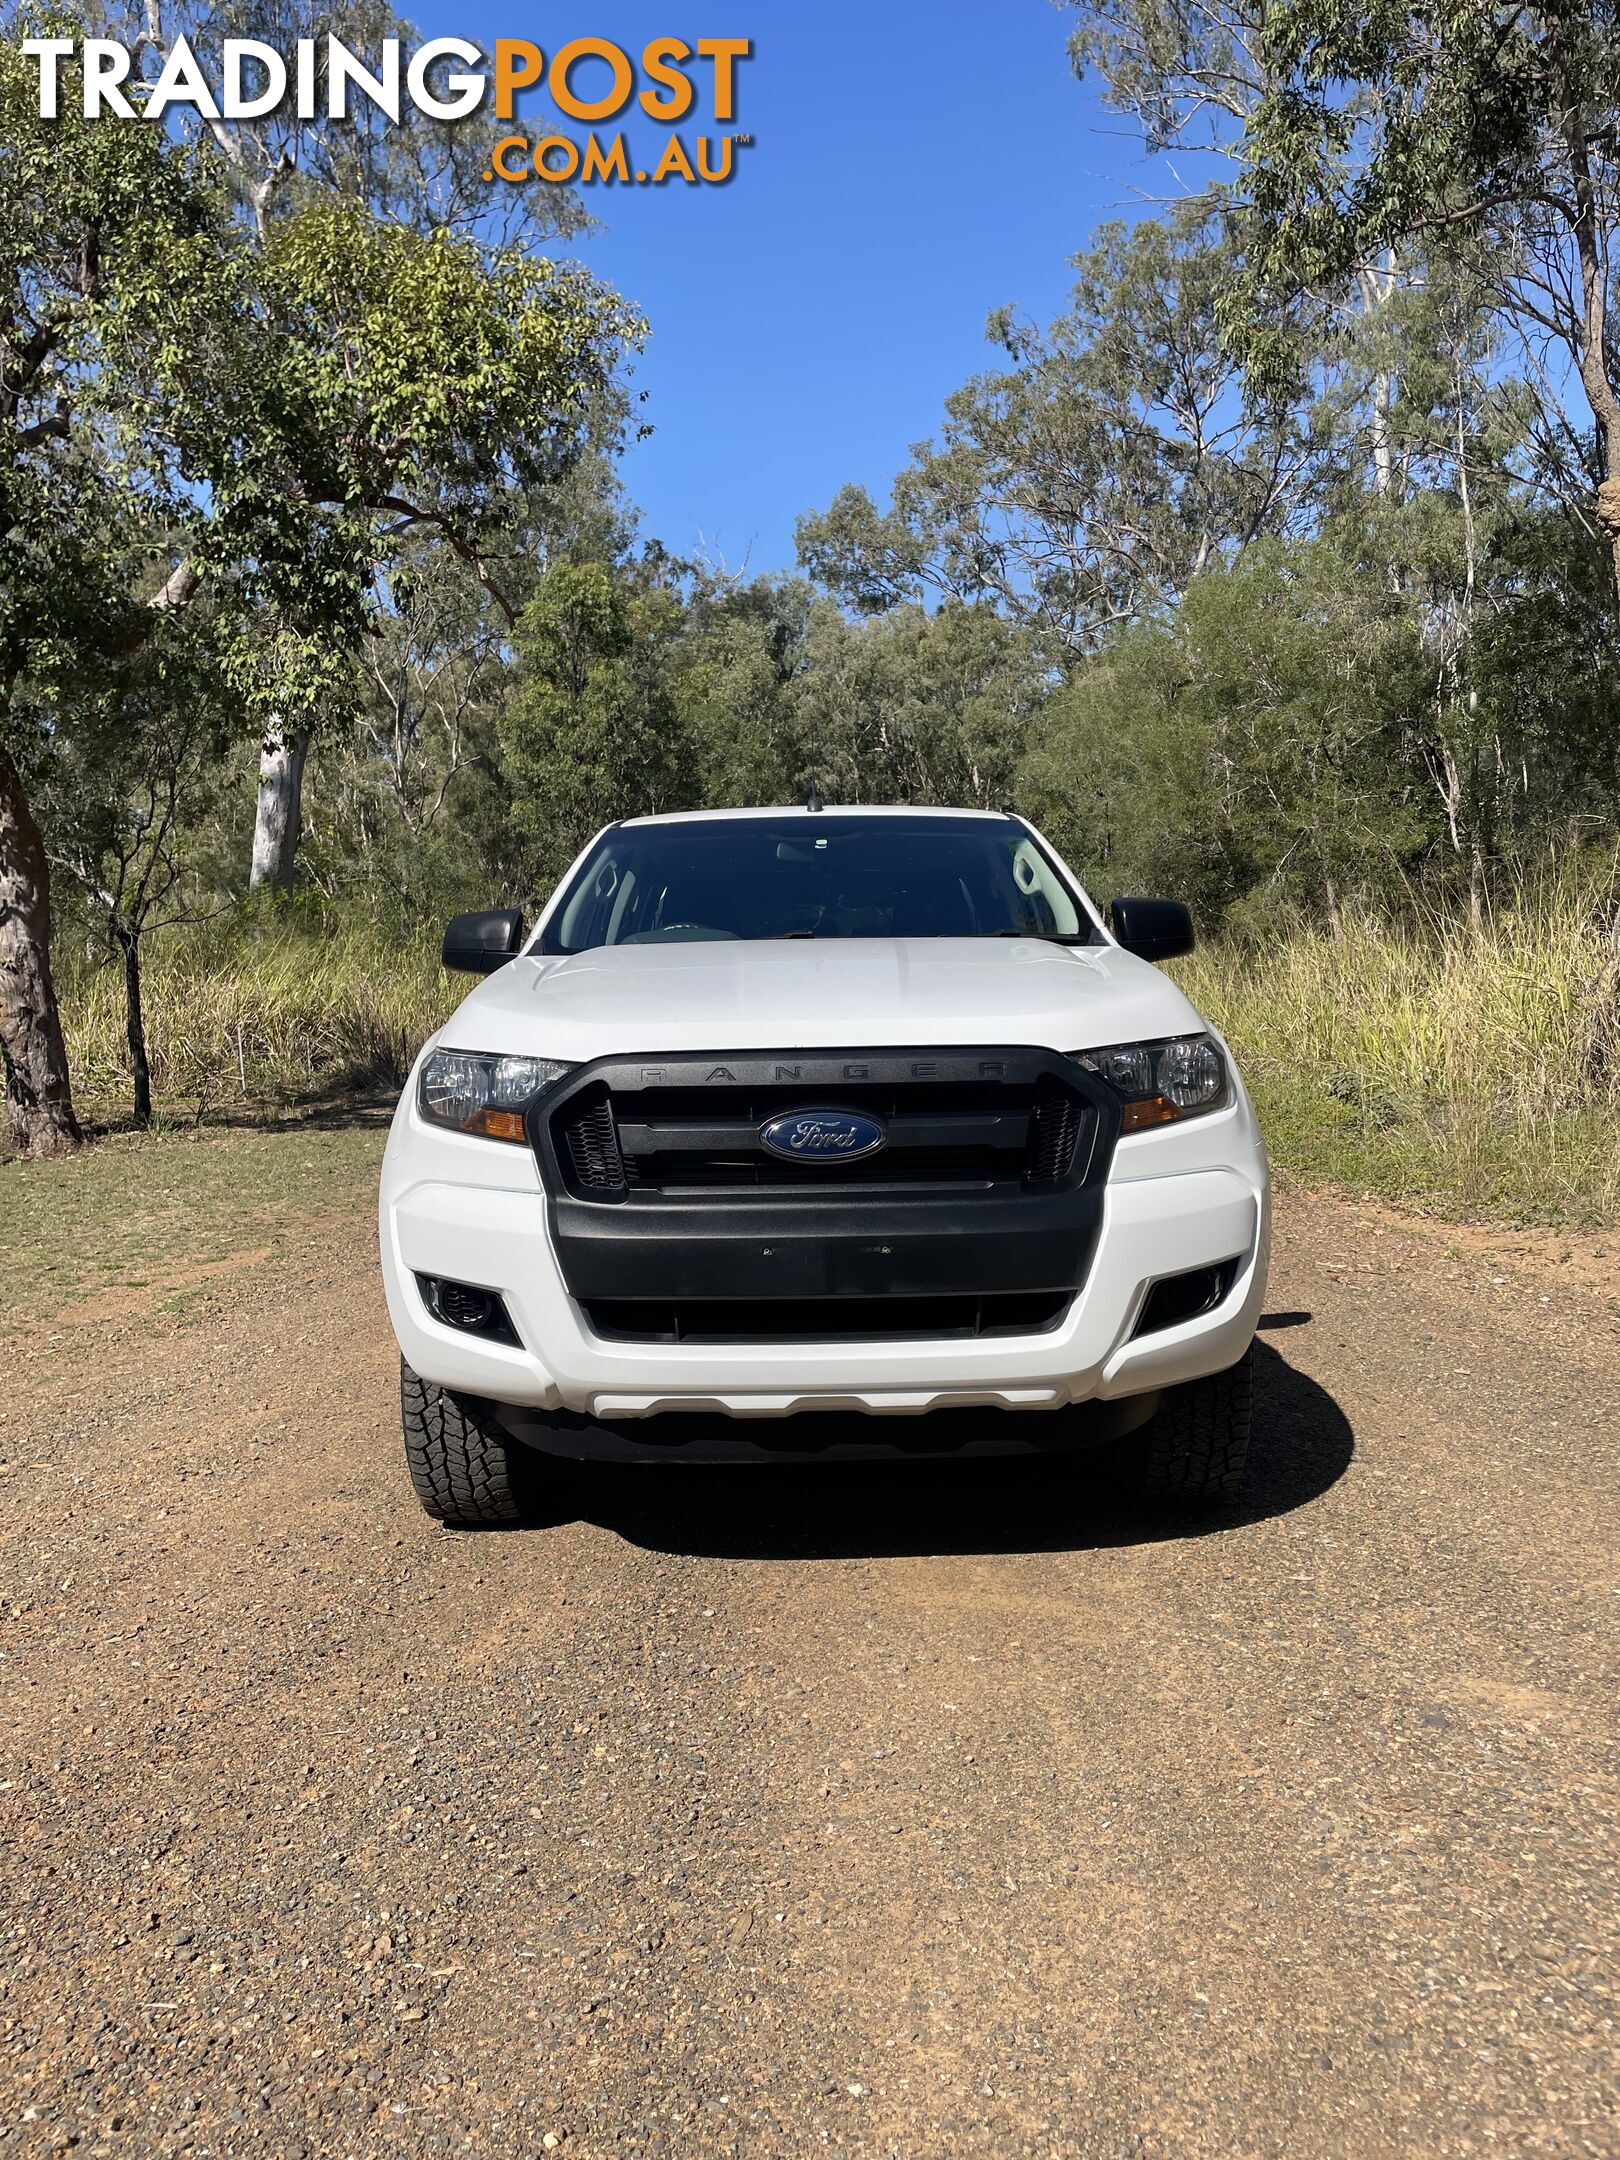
1302	1445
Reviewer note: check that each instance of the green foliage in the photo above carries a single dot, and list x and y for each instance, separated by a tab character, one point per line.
366	377
1548	718
635	692
405	810
1417	108
420	173
266	411
918	707
1186	71
1485	143
135	758
1249	740
590	730
738	671
96	222
260	412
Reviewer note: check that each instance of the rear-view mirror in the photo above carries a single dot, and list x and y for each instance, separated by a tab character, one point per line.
482	941
1153	929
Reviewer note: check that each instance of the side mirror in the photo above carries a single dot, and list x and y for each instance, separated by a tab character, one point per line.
1153	929
479	943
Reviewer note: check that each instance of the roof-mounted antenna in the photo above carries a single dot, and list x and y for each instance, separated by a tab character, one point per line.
811	799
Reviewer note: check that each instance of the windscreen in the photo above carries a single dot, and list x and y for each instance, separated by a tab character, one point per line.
822	876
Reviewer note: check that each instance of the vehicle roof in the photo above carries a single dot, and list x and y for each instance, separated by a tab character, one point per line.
863	810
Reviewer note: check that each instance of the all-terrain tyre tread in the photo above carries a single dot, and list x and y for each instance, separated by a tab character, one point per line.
1197	1445
464	1469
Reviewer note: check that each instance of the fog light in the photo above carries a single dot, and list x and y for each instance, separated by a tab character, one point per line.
1185	1297
468	1309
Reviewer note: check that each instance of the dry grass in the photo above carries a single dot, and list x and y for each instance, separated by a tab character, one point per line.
262	1018
1471	1066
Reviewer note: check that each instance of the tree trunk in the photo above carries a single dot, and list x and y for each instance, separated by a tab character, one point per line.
39	1096
1383	454
279	818
1592	249
129	943
1377	283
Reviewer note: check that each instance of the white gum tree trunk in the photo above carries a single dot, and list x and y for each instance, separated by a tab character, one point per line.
278	820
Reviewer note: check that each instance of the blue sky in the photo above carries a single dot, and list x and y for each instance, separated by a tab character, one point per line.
913	167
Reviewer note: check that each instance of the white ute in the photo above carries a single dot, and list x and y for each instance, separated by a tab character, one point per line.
818	1133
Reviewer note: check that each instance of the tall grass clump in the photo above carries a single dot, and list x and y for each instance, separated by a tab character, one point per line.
1468	1062
257	1015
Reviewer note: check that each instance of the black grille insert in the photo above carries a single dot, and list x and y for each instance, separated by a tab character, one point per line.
845	1319
1054	1134
592	1141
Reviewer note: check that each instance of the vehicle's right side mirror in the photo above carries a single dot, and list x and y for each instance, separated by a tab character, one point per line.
479	943
1153	929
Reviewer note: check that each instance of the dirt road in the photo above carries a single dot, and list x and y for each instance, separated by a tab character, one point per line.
934	1811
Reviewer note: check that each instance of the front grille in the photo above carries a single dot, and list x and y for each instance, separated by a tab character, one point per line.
1009	1135
661	1195
748	1320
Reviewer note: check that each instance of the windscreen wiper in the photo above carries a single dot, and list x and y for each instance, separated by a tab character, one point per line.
1049	937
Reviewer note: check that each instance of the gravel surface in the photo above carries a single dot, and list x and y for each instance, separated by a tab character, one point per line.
921	1811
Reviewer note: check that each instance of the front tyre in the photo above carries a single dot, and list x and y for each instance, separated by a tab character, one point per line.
1194	1450
465	1471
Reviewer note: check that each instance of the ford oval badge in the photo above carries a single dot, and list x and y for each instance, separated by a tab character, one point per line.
823	1136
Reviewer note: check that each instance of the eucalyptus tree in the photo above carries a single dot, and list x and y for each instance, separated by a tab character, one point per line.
1369	142
1193	76
1492	136
738	671
1189	73
407	804
922	706
98	228
1249	739
418	173
186	412
1109	463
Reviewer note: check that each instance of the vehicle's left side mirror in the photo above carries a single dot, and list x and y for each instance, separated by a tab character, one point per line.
1153	929
479	943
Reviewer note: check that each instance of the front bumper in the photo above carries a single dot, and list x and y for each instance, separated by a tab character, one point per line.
1188	1197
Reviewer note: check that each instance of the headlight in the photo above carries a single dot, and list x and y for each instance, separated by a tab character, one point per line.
475	1094
1162	1081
